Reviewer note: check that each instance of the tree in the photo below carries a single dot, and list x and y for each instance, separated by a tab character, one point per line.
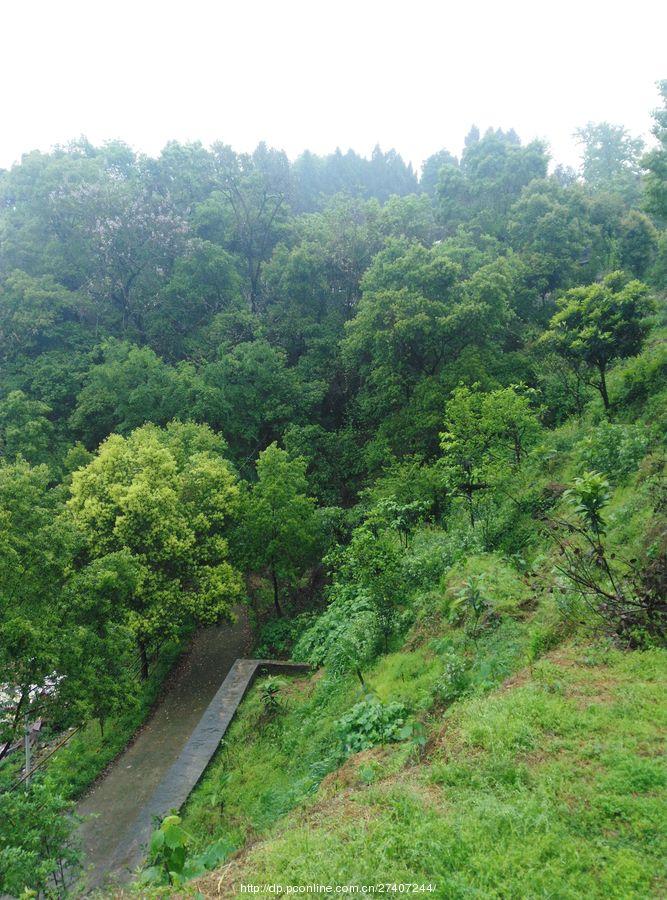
279	530
35	553
252	395
627	594
25	429
39	855
164	498
97	656
655	162
599	323
492	173
128	386
610	158
638	243
486	438
248	210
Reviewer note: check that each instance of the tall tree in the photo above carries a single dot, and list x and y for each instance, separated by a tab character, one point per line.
655	162
164	498
247	212
279	528
599	323
610	158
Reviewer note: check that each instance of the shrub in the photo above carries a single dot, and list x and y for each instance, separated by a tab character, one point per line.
168	858
453	681
269	694
614	450
370	723
38	850
627	594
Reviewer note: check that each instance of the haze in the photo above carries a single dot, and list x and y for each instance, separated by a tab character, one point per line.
413	76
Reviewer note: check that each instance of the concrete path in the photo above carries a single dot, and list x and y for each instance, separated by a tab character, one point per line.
177	784
115	801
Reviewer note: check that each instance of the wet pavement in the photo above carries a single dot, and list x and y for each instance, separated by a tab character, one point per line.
117	799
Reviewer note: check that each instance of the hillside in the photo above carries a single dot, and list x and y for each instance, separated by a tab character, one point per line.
415	428
521	759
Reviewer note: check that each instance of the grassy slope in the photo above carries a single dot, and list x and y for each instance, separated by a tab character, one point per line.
550	786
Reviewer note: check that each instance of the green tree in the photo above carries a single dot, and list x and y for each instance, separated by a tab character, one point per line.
610	158
655	162
486	437
98	655
25	429
129	386
279	529
35	553
38	846
599	323
638	243
165	498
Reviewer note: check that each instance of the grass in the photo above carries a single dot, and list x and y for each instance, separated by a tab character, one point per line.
551	786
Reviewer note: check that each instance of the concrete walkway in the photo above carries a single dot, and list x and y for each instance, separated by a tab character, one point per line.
117	862
116	799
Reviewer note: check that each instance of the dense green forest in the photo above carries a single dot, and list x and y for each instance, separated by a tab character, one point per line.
415	421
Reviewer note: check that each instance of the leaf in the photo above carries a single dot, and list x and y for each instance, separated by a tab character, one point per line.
157	841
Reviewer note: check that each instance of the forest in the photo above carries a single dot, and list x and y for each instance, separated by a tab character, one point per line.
415	422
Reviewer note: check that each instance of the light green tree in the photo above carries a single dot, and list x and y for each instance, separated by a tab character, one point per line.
165	497
486	438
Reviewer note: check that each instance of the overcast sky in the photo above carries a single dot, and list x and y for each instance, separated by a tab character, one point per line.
413	75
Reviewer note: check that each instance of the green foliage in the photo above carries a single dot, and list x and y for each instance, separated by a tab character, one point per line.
279	531
614	449
487	437
38	850
35	552
628	595
370	723
590	495
168	859
655	161
165	497
610	158
600	323
25	429
269	693
453	681
339	308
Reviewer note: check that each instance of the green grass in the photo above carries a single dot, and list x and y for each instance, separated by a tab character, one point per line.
550	787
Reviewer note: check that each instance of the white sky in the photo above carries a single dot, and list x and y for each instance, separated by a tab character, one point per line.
412	75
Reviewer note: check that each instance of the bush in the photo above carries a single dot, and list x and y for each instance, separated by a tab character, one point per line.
614	450
269	693
453	681
169	862
493	576
370	723
277	636
37	845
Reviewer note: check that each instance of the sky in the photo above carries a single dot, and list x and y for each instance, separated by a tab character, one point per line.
413	75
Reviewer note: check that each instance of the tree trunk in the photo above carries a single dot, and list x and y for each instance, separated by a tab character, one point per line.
276	601
144	660
603	389
471	507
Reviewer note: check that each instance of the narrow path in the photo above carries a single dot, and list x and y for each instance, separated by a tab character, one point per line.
117	799
179	781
